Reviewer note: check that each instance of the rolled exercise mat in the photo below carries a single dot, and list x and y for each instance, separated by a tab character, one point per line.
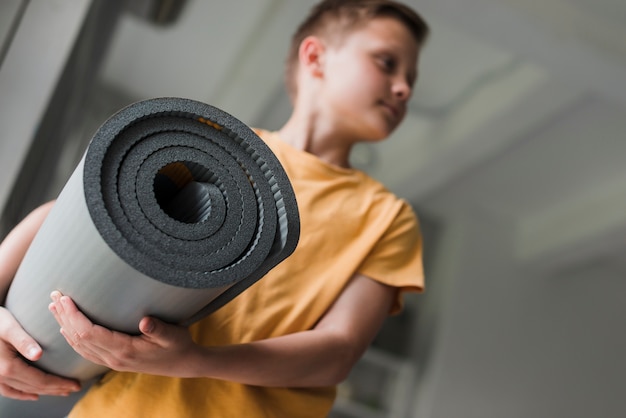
175	208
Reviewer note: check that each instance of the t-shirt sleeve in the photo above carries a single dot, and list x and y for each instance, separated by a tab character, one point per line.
396	259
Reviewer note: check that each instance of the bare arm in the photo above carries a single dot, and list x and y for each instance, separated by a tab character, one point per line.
14	246
320	357
17	378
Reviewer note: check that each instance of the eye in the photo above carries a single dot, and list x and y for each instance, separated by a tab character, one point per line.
387	63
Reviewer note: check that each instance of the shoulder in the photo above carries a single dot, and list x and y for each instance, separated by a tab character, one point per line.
384	198
265	135
272	140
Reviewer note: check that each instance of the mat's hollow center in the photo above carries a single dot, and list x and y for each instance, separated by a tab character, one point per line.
183	191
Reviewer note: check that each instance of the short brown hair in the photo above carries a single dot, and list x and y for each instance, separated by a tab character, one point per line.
343	15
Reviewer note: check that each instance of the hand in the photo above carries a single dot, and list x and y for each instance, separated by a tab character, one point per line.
161	349
18	379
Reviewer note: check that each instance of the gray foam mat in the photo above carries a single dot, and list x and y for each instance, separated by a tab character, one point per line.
176	208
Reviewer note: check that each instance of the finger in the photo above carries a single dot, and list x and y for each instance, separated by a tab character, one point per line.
59	387
159	332
13	333
23	377
148	326
19	379
76	328
74	324
57	308
71	318
10	392
93	342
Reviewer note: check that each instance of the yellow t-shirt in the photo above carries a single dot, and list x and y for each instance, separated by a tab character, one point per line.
349	223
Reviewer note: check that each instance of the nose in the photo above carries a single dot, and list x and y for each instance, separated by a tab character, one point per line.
402	89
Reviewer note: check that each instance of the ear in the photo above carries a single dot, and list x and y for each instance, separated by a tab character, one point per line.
311	56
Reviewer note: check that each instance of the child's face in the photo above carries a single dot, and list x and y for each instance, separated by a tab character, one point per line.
369	77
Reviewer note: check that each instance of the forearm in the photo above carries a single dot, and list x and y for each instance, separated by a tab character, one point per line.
15	245
322	356
304	359
10	257
19	379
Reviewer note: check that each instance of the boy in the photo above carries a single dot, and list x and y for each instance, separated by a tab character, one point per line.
279	348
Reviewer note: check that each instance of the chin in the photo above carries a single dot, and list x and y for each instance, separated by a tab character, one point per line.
376	136
376	131
383	133
386	128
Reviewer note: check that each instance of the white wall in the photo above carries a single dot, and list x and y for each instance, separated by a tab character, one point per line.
517	340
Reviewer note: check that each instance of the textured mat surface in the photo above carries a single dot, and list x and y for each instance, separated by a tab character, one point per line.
175	208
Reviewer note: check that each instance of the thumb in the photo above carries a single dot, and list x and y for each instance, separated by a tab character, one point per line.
147	325
154	328
13	333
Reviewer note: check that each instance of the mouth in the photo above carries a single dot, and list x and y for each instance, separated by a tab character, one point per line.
395	111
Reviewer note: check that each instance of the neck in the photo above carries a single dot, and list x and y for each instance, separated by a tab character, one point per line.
302	131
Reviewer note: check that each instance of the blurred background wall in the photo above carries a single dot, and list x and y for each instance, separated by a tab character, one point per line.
513	154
